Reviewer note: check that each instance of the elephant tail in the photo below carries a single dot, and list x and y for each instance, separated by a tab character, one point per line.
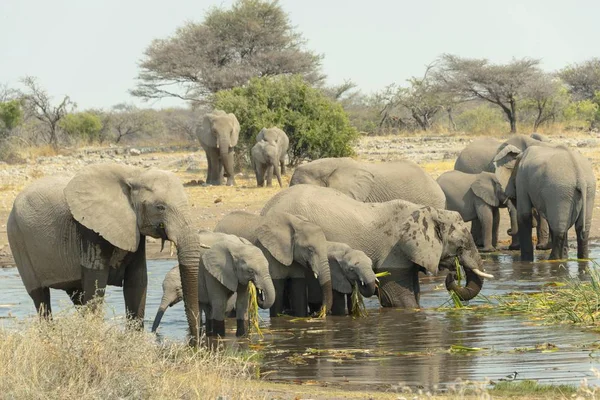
582	188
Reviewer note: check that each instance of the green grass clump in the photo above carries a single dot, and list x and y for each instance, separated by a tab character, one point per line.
529	387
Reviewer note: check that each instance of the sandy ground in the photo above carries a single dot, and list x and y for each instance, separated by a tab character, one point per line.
436	154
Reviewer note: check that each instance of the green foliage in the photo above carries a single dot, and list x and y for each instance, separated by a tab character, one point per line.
83	125
11	115
481	120
316	125
581	114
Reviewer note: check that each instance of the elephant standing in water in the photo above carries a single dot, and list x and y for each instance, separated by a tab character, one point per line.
560	184
218	134
478	197
372	183
398	236
292	246
268	155
82	233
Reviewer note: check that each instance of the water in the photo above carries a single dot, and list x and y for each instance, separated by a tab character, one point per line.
389	347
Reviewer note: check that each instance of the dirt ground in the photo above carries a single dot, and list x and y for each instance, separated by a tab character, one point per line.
436	154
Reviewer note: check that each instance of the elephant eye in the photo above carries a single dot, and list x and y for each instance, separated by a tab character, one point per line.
161	207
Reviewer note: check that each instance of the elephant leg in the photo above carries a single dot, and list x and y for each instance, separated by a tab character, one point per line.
94	283
282	166
524	221
495	226
76	296
260	174
212	161
349	302
315	295
218	308
486	218
205	307
41	299
543	233
582	242
269	179
559	243
402	292
476	232
277	307
298	297
241	311
220	173
135	284
338	306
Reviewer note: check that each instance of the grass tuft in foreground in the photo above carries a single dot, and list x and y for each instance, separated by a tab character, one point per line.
80	355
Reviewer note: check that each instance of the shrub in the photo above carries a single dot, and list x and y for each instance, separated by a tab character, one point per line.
581	114
481	120
83	125
316	125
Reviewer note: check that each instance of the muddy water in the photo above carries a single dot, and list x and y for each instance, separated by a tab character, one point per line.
390	347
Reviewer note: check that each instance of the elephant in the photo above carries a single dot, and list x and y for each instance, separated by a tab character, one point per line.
80	233
173	294
372	183
218	135
268	155
398	236
479	157
560	184
348	267
227	266
292	245
478	197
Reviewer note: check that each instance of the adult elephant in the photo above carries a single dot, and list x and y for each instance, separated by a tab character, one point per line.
372	183
218	134
292	246
478	197
560	184
268	155
398	236
82	233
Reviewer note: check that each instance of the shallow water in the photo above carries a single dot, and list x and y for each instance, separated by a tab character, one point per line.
389	347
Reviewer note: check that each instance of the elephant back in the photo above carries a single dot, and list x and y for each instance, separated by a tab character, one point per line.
478	156
239	223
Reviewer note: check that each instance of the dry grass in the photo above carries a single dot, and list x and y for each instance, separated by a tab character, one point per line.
79	355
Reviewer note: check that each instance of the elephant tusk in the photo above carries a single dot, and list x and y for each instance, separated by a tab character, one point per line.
482	274
377	280
316	276
172	249
204	246
162	245
362	283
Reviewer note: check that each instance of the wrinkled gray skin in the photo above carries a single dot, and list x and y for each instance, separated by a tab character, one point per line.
82	233
560	184
348	267
478	197
268	155
292	246
479	157
173	294
372	183
226	268
218	134
398	236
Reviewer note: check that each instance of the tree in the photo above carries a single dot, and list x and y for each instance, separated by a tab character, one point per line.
85	125
252	39
127	120
316	125
38	104
583	80
500	84
545	97
11	115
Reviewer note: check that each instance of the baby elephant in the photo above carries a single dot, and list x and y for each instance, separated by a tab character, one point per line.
173	294
268	155
478	197
348	267
227	265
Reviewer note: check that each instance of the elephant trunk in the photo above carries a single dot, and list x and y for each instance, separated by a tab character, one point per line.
512	211
188	253
277	171
470	260
265	284
324	277
226	158
367	289
159	315
166	302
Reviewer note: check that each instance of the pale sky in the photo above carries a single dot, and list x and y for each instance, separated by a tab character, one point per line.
90	49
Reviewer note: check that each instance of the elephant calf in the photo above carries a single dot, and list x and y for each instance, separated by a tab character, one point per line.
478	197
268	155
348	267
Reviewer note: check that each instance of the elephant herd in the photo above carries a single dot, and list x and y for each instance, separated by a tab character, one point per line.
338	223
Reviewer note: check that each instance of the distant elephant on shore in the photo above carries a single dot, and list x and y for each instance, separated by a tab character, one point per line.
372	183
82	233
478	197
218	135
560	184
268	155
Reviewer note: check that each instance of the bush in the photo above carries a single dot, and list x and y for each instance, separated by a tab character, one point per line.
582	114
481	120
316	125
83	125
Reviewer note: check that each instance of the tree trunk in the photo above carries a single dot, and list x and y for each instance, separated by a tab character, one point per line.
451	123
513	116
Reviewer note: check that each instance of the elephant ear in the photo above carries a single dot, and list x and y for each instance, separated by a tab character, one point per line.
99	199
336	255
235	130
421	238
504	162
218	261
354	182
484	188
276	235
